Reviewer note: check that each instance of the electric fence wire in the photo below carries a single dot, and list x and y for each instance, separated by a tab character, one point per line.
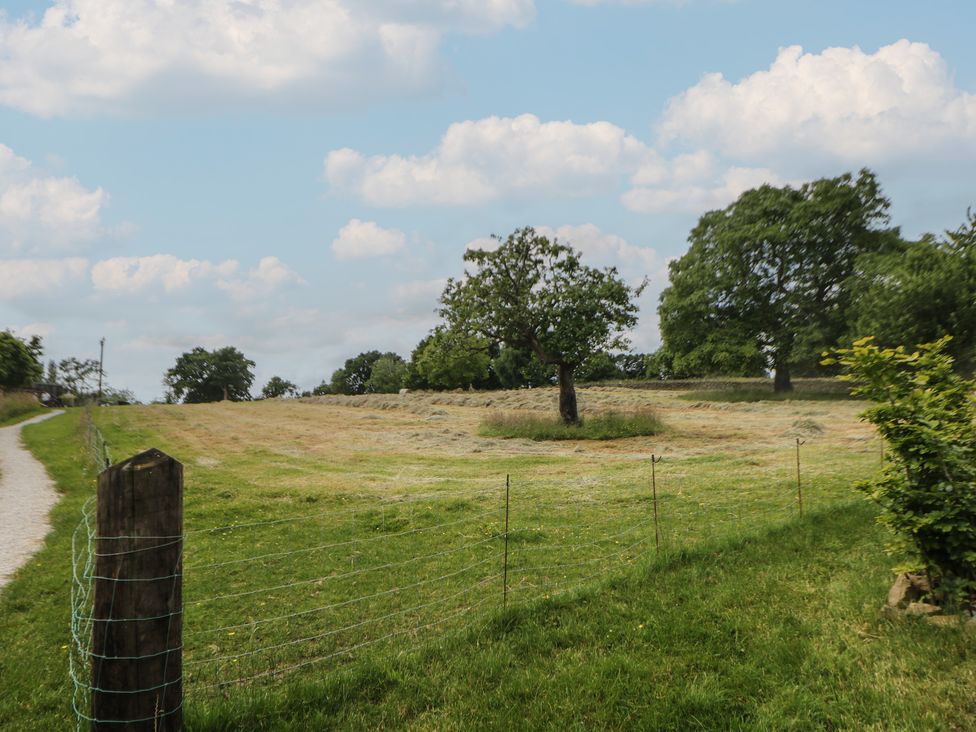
684	516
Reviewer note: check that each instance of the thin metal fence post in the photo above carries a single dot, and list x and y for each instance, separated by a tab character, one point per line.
505	569
799	489
657	530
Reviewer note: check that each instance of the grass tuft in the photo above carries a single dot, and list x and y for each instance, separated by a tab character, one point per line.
603	426
17	407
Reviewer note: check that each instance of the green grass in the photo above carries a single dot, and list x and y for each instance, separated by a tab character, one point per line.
601	426
16	408
750	619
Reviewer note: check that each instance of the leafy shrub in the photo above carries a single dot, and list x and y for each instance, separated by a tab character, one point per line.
604	426
927	492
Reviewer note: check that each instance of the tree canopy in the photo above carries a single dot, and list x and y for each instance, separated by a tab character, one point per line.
450	360
921	292
209	376
354	375
387	374
762	285
278	387
534	293
20	360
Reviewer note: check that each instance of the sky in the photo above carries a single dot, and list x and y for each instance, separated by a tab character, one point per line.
299	178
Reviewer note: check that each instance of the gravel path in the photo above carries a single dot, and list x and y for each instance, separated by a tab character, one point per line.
26	496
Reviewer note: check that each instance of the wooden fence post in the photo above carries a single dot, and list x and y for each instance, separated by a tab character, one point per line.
137	629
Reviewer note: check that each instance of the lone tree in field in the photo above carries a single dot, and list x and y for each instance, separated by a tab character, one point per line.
533	293
209	376
762	285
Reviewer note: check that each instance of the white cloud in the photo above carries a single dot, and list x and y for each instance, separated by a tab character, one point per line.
360	239
601	248
853	105
33	329
418	298
43	212
270	275
39	277
694	183
491	158
136	275
93	56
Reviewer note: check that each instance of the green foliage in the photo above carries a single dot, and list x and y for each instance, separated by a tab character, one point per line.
762	282
602	426
447	359
598	367
20	360
210	376
534	293
354	375
926	414
517	368
922	292
278	387
387	375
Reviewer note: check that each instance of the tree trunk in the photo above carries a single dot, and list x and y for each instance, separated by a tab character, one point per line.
567	395
781	379
226	394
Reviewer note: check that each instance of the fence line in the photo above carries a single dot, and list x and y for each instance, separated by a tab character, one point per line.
544	551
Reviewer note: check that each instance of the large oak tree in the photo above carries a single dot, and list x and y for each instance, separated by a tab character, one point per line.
762	285
534	293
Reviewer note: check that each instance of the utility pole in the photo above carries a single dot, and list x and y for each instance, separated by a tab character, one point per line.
101	368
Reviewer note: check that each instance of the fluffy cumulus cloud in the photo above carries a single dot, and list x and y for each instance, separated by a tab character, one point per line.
495	157
21	278
692	182
93	56
167	273
853	105
361	239
39	211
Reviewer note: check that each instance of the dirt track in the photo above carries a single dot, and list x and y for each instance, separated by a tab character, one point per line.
26	496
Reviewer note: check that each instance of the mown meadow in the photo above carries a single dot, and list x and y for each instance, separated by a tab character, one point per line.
344	566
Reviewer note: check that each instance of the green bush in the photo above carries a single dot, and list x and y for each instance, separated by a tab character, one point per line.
603	426
927	492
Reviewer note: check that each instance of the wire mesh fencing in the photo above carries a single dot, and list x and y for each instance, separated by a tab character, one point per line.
276	594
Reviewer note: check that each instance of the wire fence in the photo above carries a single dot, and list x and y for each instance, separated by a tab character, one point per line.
264	599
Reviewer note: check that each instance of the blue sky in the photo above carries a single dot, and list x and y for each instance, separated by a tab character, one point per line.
298	178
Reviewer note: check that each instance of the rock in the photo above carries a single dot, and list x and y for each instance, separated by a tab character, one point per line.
902	592
404	391
922	608
920	582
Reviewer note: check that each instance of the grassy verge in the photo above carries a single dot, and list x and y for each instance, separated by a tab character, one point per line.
602	426
16	408
34	607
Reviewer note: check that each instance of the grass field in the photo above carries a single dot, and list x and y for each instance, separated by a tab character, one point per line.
369	594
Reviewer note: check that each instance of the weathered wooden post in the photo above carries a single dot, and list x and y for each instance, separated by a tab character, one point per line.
137	635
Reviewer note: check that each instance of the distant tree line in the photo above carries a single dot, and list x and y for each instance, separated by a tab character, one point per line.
767	285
